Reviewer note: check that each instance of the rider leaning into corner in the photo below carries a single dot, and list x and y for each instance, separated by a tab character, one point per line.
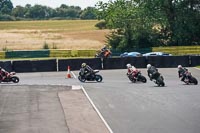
182	72
3	73
103	48
152	71
131	70
87	69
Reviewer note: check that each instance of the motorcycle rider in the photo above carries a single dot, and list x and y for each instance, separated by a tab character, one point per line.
182	72
87	70
3	73
103	49
131	70
152	72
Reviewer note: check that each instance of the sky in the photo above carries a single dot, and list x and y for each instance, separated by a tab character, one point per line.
56	3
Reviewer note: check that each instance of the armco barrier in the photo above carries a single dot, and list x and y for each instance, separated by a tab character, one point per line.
86	53
6	65
168	61
34	65
120	63
60	53
75	64
179	50
72	53
2	54
27	54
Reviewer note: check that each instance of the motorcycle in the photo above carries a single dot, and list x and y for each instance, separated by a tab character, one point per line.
92	77
159	80
103	54
137	77
10	77
189	79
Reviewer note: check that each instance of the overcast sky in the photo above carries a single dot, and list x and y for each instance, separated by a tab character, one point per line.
56	3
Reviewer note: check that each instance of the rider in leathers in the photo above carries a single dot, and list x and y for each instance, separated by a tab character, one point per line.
132	70
88	71
152	72
3	73
182	72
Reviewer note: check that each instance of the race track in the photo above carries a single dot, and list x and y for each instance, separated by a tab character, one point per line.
136	107
144	107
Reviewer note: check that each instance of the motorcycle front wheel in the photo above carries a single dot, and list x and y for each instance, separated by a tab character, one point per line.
143	79
15	79
194	80
98	78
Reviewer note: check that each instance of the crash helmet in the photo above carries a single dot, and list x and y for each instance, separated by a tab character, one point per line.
148	66
179	66
83	65
128	65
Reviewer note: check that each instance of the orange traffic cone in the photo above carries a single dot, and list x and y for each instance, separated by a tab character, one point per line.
68	72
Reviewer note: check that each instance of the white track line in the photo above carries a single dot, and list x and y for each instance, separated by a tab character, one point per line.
73	74
98	112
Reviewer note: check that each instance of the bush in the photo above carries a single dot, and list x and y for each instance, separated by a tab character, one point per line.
4	17
45	46
101	25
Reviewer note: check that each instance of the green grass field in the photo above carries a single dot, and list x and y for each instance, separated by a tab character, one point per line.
57	25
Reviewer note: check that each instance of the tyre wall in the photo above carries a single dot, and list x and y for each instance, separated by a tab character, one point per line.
168	61
120	63
98	63
75	64
34	66
7	65
194	61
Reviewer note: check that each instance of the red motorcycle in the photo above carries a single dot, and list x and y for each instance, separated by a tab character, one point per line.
10	77
137	77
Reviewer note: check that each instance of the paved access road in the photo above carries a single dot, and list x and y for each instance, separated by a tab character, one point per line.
145	108
47	103
31	109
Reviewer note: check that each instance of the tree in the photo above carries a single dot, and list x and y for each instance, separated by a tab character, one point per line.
151	23
38	12
19	11
88	13
68	11
130	22
6	6
180	17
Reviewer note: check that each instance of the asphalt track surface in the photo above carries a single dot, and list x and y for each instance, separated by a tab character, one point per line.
145	108
132	107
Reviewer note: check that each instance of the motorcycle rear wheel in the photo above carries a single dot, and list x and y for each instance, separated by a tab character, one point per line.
81	79
160	81
194	80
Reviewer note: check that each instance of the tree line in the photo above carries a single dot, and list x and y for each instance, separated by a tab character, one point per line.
40	12
147	23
